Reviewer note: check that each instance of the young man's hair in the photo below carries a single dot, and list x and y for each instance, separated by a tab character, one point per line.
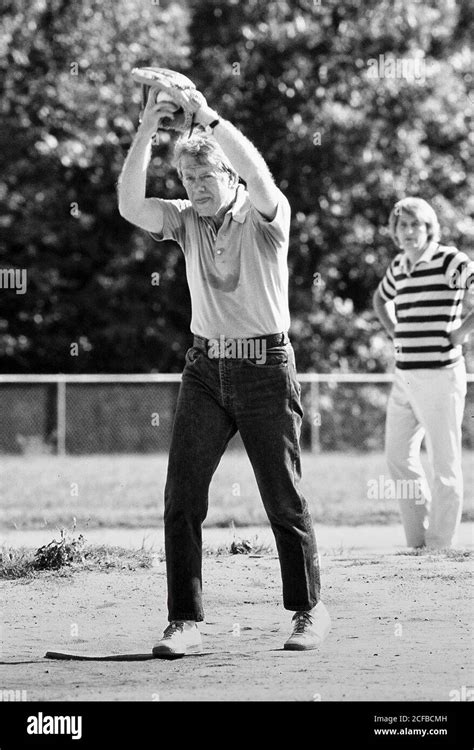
204	150
421	210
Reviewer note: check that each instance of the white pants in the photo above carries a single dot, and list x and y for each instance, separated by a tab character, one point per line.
428	403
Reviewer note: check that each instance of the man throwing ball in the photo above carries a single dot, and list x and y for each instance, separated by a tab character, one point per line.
240	372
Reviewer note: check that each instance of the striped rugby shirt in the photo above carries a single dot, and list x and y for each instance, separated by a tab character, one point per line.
428	305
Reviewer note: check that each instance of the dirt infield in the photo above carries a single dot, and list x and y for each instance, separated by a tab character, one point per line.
401	631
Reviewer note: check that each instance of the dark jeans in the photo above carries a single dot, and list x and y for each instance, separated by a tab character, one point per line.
218	397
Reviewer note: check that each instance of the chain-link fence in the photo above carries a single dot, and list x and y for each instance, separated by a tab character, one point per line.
87	414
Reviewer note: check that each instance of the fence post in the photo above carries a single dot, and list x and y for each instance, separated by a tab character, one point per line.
315	416
61	417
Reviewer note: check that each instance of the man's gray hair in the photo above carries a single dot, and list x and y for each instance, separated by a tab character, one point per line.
205	150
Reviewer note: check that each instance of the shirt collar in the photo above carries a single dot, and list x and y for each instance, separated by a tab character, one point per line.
424	258
241	205
239	208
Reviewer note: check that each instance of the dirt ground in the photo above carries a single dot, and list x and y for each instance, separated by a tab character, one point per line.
401	631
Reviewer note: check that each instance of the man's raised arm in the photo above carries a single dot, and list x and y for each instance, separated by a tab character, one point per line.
246	160
251	166
133	206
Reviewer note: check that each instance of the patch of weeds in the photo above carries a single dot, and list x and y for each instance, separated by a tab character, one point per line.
24	563
250	546
359	562
212	551
415	552
240	547
458	555
433	555
105	558
16	563
69	555
56	554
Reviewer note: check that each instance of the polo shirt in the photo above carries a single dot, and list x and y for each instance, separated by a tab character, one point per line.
428	300
237	276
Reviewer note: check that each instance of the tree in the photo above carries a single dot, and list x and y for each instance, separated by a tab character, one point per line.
100	297
308	82
343	145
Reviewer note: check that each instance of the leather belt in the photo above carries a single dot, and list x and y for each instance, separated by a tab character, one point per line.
272	339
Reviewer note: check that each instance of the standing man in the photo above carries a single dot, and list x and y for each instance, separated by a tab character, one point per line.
240	372
419	302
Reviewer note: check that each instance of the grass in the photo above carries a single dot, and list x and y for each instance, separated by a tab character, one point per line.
20	563
70	554
127	491
253	547
455	555
26	563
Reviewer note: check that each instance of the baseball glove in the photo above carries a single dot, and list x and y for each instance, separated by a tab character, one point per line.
174	88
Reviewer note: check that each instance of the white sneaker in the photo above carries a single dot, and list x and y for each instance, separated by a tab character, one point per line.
179	638
309	629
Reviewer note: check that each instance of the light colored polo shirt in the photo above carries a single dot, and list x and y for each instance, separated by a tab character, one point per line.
428	300
237	276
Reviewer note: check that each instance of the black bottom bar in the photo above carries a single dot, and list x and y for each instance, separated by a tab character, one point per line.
367	725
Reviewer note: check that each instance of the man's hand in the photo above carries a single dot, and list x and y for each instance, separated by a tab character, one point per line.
458	337
189	105
159	112
194	103
385	312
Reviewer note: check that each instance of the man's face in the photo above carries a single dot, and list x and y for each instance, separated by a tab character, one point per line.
412	234
208	189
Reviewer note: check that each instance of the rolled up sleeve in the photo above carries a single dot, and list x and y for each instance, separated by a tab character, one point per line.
278	229
174	227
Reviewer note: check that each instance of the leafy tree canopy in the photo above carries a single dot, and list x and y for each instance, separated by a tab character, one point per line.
310	84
